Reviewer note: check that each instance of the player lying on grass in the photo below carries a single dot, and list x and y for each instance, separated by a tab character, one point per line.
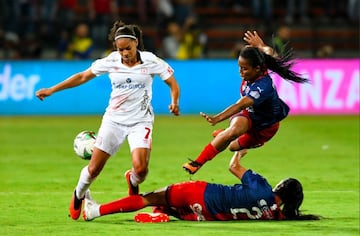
253	199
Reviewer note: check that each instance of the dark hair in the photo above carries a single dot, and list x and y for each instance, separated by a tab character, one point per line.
290	192
281	65
120	28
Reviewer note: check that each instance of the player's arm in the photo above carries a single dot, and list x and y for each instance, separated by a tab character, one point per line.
73	81
241	104
175	94
235	166
253	39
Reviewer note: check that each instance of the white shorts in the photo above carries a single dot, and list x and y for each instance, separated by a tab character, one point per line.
112	135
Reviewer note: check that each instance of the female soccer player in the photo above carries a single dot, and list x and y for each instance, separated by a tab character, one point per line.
255	117
129	114
199	201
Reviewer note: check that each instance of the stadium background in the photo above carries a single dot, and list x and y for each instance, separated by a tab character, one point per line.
32	29
29	59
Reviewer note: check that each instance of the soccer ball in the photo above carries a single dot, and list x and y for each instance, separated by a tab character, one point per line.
84	144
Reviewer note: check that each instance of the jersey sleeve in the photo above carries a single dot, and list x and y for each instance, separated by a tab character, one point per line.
252	178
260	91
103	65
169	71
159	66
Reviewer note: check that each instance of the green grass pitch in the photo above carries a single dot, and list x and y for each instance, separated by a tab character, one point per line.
39	170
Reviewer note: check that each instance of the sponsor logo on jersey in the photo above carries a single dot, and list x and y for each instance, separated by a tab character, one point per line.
129	85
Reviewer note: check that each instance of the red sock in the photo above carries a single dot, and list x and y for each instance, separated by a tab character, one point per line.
207	154
127	204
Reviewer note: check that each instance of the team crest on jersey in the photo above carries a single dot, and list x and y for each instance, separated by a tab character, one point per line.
128	80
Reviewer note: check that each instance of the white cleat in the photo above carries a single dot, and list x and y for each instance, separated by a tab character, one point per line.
91	208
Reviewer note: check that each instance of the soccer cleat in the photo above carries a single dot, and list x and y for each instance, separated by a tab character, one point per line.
132	190
145	217
192	166
91	208
216	132
75	207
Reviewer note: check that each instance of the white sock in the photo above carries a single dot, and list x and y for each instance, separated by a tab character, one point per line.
96	211
84	183
135	179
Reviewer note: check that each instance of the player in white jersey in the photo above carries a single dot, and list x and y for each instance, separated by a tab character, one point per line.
129	114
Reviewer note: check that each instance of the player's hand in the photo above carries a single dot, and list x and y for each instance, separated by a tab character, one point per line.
254	39
209	119
174	109
42	93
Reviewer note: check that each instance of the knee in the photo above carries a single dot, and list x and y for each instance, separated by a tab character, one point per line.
232	133
234	146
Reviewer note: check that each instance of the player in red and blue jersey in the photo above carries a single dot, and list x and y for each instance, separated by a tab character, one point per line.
252	199
255	117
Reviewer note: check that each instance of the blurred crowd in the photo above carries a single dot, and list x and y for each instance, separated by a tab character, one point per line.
76	29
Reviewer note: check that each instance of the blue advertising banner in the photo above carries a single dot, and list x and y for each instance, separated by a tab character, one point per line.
206	85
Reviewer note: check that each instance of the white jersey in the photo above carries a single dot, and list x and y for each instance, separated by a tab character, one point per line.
130	99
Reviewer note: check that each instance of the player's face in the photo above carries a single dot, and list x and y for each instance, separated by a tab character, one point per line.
248	72
127	48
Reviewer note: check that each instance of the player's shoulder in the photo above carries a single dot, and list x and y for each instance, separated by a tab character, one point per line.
146	55
251	175
264	79
263	82
112	57
150	57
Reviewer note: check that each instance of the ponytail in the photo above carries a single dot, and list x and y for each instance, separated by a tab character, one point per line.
139	36
281	65
290	192
292	212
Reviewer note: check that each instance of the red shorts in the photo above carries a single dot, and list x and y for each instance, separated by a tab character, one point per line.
254	138
188	199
